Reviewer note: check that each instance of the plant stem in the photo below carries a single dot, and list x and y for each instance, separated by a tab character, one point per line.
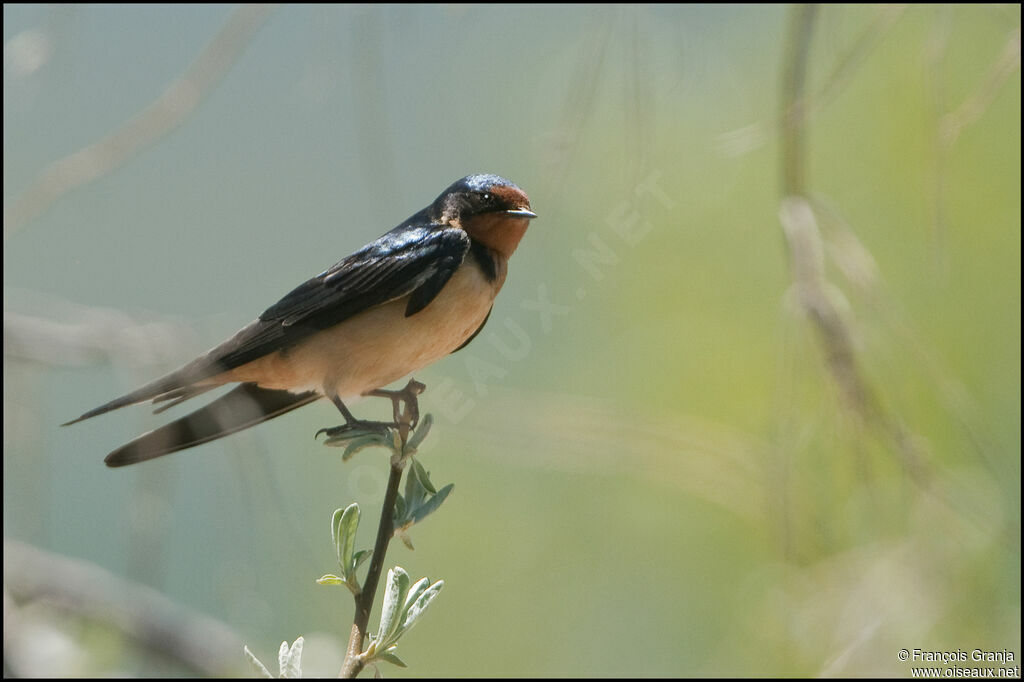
405	419
364	601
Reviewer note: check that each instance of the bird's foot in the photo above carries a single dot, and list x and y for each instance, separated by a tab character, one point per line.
409	417
356	428
405	408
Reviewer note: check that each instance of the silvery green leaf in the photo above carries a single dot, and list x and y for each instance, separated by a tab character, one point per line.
421	432
414	593
400	509
422	476
330	579
410	486
335	524
258	668
290	660
432	504
346	540
282	655
390	658
394	597
414	493
359	557
421	604
360	444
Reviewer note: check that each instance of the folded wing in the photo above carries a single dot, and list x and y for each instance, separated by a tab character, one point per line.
416	260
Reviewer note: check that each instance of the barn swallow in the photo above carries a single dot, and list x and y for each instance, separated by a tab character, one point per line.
419	292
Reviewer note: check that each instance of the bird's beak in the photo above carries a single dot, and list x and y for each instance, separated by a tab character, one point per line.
521	213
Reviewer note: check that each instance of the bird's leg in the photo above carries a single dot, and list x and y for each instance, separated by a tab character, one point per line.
411	413
404	419
353	424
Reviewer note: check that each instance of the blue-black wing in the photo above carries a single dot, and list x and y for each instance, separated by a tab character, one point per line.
415	259
408	261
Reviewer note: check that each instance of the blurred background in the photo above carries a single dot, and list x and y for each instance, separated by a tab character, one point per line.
708	430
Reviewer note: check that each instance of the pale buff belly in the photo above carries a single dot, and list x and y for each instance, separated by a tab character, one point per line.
379	346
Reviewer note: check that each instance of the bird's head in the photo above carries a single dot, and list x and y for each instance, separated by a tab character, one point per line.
491	209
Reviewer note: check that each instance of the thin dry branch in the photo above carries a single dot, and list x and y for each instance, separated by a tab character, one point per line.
754	135
169	110
77	587
972	109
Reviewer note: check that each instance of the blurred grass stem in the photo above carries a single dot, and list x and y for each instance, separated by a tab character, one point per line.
803	240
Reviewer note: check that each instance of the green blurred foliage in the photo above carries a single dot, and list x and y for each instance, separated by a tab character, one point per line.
659	478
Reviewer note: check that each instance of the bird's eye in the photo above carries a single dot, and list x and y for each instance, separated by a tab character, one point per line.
487	197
